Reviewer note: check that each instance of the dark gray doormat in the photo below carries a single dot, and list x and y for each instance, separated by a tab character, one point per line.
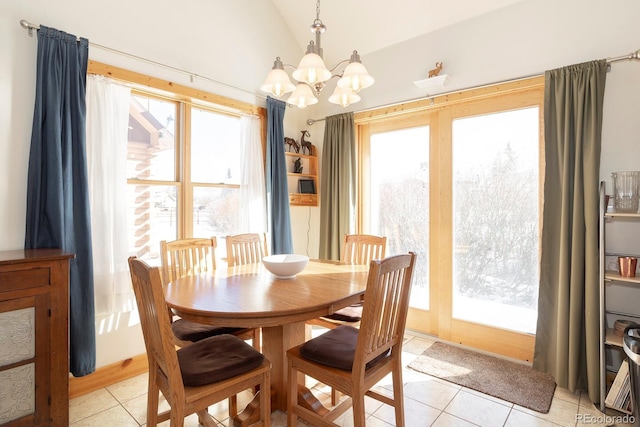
511	381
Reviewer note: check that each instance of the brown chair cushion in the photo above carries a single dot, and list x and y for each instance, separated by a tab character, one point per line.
192	331
335	348
215	359
353	313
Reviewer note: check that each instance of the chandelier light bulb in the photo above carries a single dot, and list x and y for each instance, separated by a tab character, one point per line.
278	89
277	82
302	96
311	70
343	97
355	76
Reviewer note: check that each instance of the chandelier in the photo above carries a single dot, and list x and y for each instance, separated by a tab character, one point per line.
311	75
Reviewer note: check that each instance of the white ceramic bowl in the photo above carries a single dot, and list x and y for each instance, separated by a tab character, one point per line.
285	266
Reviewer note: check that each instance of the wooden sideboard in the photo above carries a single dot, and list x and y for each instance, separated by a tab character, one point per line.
34	344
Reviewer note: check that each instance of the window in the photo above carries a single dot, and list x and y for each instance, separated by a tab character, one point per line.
151	174
184	161
183	173
215	174
458	182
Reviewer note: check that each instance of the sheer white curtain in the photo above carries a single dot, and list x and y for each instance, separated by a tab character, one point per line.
107	134
253	200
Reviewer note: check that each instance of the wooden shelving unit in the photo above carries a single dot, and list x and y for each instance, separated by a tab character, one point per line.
309	172
608	339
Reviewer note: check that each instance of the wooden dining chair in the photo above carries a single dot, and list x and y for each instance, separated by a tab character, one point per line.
358	249
247	248
196	376
186	257
354	360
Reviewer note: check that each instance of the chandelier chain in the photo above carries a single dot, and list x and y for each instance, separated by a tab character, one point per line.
318	10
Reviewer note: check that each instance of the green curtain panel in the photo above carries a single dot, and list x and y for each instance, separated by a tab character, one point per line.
338	181
567	336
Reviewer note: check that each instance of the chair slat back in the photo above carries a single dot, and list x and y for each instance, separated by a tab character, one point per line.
247	248
386	303
360	249
156	323
185	257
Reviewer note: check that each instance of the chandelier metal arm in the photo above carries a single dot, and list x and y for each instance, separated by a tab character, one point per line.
336	67
293	67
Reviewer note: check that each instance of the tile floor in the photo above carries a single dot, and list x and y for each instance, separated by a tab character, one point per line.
428	402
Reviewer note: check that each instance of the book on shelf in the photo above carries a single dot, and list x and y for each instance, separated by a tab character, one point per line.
619	396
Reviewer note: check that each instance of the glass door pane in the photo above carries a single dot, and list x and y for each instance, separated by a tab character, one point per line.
399	199
496	219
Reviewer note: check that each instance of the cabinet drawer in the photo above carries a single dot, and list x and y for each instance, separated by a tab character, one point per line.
303	199
23	279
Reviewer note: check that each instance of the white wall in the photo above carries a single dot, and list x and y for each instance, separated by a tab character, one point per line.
235	41
621	152
305	220
517	41
232	41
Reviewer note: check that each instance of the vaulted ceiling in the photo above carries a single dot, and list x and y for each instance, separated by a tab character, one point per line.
371	25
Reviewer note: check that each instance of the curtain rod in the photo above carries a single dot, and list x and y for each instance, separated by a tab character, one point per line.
312	121
633	56
30	27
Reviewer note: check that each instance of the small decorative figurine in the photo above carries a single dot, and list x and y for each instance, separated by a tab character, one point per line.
297	166
292	144
306	144
436	71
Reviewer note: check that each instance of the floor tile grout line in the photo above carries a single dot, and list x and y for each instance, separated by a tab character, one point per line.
504	424
117	403
131	415
581	403
103	411
121	403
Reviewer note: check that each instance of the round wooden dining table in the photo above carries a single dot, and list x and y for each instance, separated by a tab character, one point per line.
249	296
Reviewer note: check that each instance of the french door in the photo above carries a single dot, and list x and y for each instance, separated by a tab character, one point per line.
460	185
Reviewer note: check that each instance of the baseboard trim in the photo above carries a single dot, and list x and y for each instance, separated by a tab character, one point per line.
108	375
